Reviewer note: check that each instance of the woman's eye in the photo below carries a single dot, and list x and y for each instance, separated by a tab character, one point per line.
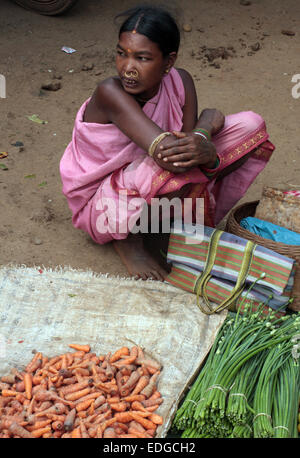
120	53
144	59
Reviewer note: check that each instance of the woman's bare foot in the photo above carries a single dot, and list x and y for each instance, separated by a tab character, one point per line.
137	260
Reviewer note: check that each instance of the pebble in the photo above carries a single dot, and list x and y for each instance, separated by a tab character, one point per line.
245	2
88	66
256	46
187	27
51	86
18	144
37	241
289	33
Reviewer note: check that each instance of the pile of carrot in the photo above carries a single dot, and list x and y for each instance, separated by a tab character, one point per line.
79	394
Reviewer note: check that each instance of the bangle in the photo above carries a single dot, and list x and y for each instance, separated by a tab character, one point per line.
213	169
156	141
202	135
205	132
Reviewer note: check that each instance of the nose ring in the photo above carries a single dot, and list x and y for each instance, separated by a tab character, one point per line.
132	74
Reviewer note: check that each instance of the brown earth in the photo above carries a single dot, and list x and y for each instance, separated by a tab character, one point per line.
237	54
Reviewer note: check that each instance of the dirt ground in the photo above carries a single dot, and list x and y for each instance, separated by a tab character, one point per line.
253	72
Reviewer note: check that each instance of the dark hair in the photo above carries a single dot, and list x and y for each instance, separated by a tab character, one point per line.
156	24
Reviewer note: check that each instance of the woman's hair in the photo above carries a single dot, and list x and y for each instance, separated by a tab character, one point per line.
156	24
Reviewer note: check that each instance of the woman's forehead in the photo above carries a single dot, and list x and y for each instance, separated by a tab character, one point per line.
135	42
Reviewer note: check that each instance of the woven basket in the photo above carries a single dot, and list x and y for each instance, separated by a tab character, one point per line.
291	251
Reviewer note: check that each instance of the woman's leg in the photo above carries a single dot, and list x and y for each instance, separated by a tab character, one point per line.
140	253
244	150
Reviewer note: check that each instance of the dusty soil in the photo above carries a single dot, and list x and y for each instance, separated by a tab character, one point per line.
240	60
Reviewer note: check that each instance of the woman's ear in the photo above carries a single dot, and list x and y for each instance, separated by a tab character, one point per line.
170	61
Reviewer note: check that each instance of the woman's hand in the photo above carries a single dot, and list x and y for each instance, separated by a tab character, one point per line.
168	165
187	151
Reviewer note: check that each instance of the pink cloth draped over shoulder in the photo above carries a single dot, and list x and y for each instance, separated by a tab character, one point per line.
107	178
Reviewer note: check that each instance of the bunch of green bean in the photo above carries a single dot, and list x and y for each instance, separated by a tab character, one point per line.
241	369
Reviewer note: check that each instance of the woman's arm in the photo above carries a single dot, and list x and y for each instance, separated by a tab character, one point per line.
111	104
190	149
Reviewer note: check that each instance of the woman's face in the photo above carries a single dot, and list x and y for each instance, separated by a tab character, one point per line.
140	64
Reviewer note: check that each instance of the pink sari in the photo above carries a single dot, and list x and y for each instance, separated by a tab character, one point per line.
107	179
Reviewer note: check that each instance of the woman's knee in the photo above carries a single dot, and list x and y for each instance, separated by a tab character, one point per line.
250	121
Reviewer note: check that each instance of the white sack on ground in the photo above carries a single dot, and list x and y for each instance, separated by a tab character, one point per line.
49	310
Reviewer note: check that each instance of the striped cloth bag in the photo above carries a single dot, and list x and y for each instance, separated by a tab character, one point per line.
228	270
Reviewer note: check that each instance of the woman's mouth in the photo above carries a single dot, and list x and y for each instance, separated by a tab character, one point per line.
128	82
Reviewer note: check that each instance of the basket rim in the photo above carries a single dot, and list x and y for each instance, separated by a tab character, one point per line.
231	217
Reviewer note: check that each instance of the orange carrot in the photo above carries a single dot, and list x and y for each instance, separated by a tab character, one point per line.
123	417
136	405
39	424
57	425
108	387
140	353
157	419
57	408
18	430
148	390
147	424
9	393
10	379
135	425
99	401
93	396
131	382
40	432
128	360
32	362
136	397
84	405
72	388
43	395
121	426
99	433
20	397
108	423
138	434
83	430
77	394
151	402
55	417
153	408
113	399
119	406
127	436
76	433
149	362
102	417
156	394
124	351
109	433
69	420
141	384
140	413
85	348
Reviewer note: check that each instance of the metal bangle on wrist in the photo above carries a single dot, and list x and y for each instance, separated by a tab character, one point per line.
156	141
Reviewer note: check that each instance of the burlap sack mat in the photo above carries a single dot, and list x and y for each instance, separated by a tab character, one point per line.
45	310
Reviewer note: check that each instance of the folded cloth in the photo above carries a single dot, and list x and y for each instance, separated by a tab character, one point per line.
227	261
270	231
